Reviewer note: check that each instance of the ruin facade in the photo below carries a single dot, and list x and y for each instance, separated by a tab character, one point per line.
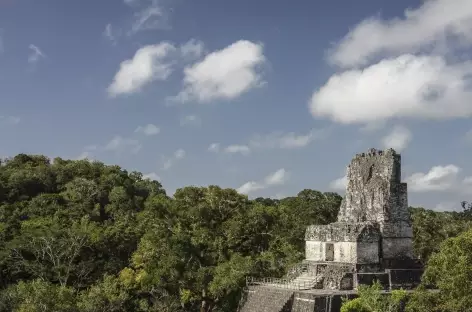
370	240
373	224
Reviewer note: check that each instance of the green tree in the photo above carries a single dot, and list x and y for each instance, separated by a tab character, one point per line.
38	296
450	270
372	299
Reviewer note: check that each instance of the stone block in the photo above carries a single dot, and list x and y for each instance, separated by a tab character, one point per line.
405	278
370	278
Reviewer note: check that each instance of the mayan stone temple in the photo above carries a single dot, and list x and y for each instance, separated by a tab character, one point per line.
371	240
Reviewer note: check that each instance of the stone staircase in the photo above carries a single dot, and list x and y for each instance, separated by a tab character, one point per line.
304	281
267	299
307	280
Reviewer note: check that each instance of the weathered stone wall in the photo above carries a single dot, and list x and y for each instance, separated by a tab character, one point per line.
343	232
374	191
397	247
315	250
343	251
353	242
367	253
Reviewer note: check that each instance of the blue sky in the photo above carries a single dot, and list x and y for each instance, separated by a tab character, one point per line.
265	96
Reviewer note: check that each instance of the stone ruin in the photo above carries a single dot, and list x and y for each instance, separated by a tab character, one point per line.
370	241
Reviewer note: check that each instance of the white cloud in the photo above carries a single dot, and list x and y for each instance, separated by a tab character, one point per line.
120	144
241	149
249	187
190	120
35	55
147	65
277	139
9	120
288	140
406	86
151	176
148	129
169	162
179	154
398	139
278	177
110	33
339	184
467	181
439	178
192	49
150	18
214	147
433	23
223	74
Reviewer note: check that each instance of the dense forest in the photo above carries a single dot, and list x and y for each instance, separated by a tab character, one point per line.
84	236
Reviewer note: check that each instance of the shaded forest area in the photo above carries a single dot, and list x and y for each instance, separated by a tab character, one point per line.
84	236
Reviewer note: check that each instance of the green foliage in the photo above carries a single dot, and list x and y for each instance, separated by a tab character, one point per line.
371	299
450	270
430	228
355	305
38	296
84	236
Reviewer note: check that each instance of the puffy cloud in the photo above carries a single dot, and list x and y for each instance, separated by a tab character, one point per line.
433	23
278	139
249	187
223	74
398	139
148	129
406	86
151	17
192	49
214	147
35	55
169	162
147	65
339	184
278	177
179	154
287	140
241	149
190	120
120	144
438	178
151	176
467	181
